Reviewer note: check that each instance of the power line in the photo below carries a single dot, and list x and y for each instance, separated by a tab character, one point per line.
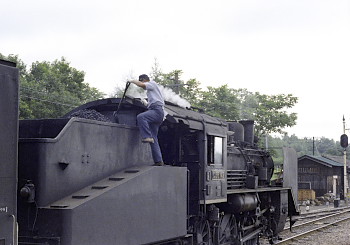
36	95
43	93
49	101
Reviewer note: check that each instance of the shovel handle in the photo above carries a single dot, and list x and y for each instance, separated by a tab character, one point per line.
121	101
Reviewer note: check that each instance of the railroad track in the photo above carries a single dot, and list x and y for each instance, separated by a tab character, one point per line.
319	216
321	212
309	223
305	229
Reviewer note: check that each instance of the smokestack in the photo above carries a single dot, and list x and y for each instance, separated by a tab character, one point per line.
238	130
248	130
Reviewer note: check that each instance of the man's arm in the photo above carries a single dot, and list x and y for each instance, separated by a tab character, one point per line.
138	83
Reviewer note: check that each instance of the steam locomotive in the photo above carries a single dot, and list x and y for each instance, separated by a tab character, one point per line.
89	180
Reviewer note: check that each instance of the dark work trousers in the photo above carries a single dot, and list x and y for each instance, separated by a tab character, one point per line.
149	122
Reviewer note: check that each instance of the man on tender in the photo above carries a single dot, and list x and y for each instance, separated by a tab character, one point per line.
150	120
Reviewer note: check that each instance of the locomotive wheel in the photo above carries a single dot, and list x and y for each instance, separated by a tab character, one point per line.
227	232
203	233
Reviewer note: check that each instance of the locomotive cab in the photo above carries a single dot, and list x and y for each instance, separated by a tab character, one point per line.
196	141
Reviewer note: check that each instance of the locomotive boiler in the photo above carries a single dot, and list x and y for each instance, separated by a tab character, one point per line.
86	178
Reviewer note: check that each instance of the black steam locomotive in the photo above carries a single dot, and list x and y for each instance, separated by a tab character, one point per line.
78	180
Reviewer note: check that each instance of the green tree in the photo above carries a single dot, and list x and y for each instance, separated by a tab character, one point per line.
268	111
308	146
323	144
51	89
247	103
220	102
271	114
54	88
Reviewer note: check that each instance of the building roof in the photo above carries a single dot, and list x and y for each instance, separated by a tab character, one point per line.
322	160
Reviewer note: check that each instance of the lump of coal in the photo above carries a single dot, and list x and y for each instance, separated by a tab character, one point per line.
90	114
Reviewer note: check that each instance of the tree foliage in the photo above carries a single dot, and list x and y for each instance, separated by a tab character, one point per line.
51	89
305	146
270	112
220	102
247	103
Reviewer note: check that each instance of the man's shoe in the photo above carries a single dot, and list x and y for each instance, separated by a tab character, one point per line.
159	164
148	140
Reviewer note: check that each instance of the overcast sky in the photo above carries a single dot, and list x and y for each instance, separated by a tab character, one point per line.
268	46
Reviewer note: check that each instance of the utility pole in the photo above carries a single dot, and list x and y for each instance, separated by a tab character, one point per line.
344	144
176	81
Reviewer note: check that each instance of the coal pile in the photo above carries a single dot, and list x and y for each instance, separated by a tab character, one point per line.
90	114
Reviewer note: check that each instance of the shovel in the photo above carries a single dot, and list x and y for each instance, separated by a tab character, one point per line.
121	101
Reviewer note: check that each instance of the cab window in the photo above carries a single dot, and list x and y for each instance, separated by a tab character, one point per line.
215	150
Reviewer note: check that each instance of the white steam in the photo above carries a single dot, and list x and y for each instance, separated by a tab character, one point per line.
171	96
168	95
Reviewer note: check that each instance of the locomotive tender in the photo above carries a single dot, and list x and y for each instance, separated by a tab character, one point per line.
74	180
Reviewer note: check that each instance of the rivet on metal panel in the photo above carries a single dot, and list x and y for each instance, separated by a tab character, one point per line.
85	158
